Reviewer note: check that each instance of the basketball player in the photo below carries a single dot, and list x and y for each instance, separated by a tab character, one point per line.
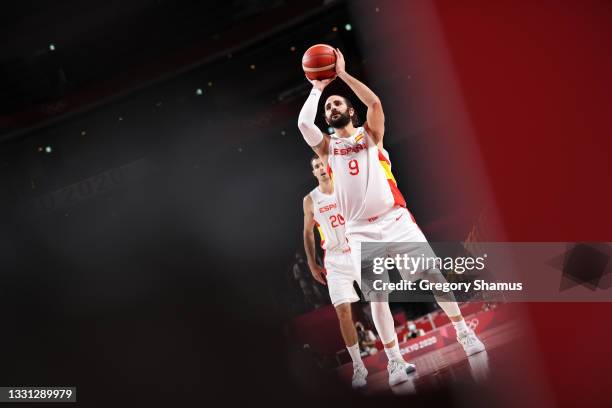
321	210
367	193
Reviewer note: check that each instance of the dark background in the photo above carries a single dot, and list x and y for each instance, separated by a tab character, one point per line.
147	254
169	281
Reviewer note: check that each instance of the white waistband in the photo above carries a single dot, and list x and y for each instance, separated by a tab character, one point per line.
367	221
338	250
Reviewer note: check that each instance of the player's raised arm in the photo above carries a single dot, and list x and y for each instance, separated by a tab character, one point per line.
309	242
375	122
306	121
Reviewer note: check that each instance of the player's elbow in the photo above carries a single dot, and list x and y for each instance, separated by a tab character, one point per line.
305	126
308	235
311	133
374	102
375	105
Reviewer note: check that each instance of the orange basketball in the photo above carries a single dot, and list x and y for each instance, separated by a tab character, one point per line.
319	62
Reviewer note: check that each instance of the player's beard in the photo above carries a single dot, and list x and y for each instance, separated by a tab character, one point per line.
341	121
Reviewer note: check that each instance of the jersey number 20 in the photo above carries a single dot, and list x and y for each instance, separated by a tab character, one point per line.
336	220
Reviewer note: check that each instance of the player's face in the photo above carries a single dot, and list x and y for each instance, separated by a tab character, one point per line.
319	171
337	114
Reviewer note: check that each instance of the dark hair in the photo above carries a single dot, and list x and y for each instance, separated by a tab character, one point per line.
313	158
355	117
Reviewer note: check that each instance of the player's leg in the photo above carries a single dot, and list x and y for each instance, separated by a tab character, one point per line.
400	228
383	320
465	336
349	334
381	314
347	329
340	277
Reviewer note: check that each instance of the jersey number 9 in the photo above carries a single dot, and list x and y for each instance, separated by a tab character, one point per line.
353	167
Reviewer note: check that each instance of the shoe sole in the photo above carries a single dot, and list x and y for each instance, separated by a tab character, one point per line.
404	378
475	350
360	386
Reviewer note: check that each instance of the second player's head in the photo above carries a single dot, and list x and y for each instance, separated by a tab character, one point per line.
318	169
339	112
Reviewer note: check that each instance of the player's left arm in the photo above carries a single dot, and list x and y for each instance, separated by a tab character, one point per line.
375	118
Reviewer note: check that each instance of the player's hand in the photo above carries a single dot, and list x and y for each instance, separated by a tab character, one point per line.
320	84
340	63
318	273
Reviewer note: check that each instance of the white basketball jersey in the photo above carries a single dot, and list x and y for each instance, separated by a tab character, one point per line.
329	221
363	183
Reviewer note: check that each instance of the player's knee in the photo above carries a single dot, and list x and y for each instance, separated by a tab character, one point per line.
343	311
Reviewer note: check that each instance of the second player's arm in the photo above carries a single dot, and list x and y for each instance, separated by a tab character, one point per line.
309	241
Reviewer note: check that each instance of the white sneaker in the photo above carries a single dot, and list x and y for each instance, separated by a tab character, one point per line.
397	372
409	367
471	344
359	376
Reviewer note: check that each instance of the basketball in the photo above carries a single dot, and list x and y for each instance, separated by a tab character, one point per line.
319	62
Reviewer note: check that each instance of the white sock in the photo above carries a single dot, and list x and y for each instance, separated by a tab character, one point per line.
460	326
393	353
355	354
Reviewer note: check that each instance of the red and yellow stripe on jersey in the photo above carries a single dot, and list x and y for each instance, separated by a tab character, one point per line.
321	235
331	173
386	165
